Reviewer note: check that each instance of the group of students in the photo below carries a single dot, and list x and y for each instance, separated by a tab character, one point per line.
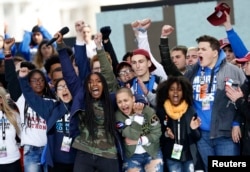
83	111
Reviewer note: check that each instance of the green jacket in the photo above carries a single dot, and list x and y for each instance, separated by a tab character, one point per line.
151	128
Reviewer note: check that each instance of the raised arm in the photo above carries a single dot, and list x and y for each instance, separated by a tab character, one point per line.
140	28
41	106
237	44
108	47
10	71
169	67
106	67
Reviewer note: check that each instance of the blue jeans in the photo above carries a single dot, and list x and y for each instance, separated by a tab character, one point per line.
32	159
179	166
144	162
222	146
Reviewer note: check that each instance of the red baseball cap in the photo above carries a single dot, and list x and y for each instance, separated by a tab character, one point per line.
244	59
146	54
224	42
218	17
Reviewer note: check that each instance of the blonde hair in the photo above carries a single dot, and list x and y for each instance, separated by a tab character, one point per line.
8	111
39	59
192	48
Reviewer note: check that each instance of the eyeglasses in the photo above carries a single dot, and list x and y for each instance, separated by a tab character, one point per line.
61	87
124	72
40	80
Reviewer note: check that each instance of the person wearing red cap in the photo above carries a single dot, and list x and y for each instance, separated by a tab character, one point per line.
140	28
145	83
226	46
240	97
220	128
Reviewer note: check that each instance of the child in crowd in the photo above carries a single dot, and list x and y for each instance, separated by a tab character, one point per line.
141	130
179	125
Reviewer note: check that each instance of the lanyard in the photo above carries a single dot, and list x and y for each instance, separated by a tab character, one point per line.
64	126
202	79
63	120
3	128
178	131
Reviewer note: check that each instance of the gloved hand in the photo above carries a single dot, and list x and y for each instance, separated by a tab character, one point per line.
106	30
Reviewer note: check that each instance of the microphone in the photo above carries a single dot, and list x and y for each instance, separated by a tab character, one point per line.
63	31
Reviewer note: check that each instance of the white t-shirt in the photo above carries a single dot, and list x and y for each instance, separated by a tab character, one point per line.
35	135
8	143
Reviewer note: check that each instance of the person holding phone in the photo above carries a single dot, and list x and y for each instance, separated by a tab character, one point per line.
239	96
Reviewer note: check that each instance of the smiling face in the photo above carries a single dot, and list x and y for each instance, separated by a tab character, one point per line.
126	73
62	92
95	86
125	102
175	94
207	56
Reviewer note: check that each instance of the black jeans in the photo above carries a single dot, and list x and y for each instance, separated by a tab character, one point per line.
91	163
61	167
15	166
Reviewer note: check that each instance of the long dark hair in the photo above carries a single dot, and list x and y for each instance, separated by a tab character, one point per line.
109	116
163	88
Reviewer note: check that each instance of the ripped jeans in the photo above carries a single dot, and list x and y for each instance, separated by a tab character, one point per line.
144	163
178	166
32	159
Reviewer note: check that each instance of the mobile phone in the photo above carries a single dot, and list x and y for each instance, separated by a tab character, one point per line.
195	116
235	86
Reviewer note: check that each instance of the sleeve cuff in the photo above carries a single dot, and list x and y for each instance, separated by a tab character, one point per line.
139	119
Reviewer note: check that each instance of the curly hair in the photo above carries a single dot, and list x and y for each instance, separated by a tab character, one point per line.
163	88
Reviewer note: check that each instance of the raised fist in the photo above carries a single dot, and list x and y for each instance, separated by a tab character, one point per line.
106	30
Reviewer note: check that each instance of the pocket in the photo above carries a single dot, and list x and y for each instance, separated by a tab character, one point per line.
26	149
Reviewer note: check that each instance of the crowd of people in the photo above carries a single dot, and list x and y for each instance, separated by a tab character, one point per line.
74	109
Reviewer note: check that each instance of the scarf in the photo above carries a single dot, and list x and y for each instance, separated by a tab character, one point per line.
175	112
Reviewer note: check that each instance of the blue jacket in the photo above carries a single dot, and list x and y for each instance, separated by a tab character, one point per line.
75	86
53	112
25	47
237	45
